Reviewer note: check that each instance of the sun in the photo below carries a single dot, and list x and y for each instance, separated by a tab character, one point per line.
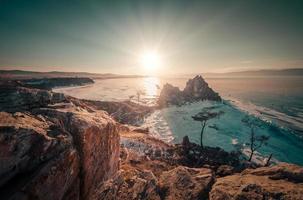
150	60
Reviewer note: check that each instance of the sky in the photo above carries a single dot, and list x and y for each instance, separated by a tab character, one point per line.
186	36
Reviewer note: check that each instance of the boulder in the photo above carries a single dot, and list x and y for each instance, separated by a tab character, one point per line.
186	183
129	184
283	181
225	170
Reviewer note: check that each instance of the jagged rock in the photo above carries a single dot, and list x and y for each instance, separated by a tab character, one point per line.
170	95
33	163
96	137
54	151
186	183
283	181
129	184
196	89
224	170
14	99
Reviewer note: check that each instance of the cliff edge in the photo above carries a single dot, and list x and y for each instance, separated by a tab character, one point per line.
51	148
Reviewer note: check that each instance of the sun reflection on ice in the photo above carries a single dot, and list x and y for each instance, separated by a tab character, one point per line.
151	86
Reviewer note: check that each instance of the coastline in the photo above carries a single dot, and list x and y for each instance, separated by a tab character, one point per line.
75	146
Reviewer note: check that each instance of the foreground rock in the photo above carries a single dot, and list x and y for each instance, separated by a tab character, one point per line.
284	181
56	147
196	89
52	149
129	184
186	183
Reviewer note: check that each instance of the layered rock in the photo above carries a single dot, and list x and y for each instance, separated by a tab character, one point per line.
196	89
14	98
187	183
129	184
283	181
57	147
33	163
53	149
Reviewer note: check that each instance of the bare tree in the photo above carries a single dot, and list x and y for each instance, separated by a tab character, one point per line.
268	160
256	142
139	93
203	117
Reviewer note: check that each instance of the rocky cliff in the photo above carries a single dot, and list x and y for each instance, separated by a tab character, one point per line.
196	89
51	148
60	148
151	169
284	181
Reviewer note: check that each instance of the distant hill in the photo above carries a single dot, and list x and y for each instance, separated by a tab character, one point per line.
259	73
20	74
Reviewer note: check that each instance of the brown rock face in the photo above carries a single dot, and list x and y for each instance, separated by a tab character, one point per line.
96	137
186	183
129	184
283	181
54	151
34	164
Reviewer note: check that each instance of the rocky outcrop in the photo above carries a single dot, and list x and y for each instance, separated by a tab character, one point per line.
125	112
34	164
186	183
14	98
52	149
129	184
196	89
283	181
60	148
170	95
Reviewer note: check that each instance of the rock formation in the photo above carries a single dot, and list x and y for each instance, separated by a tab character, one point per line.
57	147
125	112
196	89
187	183
52	149
284	181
